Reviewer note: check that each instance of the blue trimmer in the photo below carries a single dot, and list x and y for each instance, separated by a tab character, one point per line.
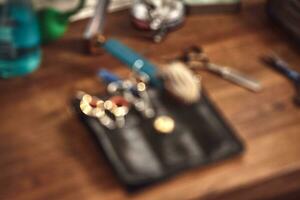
94	35
282	67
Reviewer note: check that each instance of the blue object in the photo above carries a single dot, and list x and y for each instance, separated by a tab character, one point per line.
132	59
107	76
281	66
284	68
20	53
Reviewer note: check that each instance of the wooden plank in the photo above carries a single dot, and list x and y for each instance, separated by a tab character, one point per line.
46	153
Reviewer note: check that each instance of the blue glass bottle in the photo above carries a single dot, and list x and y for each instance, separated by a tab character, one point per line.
20	52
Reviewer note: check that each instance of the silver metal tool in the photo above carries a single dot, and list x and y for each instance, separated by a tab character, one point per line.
126	89
94	30
196	59
141	81
235	76
94	107
159	16
96	23
119	107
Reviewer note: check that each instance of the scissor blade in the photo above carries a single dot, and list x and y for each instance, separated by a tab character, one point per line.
241	79
96	23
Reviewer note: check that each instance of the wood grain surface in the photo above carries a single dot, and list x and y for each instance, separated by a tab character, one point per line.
46	153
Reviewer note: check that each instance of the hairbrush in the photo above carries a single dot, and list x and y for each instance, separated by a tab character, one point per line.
181	83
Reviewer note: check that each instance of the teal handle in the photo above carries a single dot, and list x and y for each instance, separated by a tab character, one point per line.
132	59
20	66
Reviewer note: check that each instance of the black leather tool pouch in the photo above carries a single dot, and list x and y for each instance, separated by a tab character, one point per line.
141	156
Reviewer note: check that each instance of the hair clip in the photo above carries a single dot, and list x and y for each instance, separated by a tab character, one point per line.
118	106
94	107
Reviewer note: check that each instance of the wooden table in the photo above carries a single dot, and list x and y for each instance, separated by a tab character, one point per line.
46	153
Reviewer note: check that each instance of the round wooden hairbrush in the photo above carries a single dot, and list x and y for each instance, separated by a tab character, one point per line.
181	83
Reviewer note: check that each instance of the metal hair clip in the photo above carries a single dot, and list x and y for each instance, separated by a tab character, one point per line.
122	88
140	81
94	107
119	107
134	90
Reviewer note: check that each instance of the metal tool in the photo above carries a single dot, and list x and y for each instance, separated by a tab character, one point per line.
96	24
141	82
158	16
133	90
94	107
196	59
282	67
125	88
119	107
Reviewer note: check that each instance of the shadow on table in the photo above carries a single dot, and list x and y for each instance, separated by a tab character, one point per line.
80	143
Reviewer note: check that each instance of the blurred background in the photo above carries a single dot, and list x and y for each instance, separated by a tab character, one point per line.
149	99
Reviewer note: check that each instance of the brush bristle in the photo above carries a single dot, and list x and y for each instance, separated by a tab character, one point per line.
181	82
